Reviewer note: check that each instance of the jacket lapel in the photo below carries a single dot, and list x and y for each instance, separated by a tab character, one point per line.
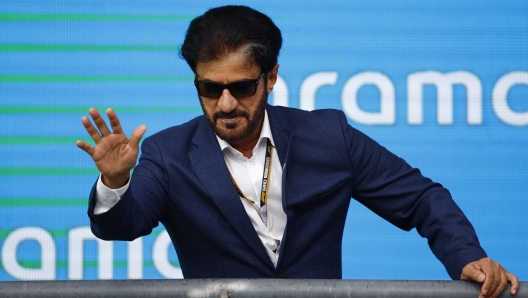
282	132
209	165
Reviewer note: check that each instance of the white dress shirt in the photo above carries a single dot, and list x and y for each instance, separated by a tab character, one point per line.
247	172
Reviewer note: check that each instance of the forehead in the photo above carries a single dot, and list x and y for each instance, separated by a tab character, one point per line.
232	67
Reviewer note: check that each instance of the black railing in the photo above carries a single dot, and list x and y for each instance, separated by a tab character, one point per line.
247	288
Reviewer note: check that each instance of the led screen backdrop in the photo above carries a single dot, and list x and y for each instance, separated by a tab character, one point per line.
443	84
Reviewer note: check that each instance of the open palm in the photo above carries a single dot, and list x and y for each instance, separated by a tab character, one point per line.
113	154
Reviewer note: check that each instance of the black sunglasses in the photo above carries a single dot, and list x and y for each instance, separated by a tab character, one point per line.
239	89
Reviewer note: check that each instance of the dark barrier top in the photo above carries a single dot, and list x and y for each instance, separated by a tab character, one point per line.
247	288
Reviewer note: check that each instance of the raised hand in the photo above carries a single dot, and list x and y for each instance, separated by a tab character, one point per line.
114	154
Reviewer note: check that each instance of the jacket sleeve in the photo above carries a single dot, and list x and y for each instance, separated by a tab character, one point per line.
142	206
391	188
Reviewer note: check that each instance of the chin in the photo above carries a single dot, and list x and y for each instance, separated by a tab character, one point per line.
232	134
232	131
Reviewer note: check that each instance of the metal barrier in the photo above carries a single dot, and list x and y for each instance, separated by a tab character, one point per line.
247	288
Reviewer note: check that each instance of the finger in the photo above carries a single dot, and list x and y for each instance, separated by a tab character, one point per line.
85	147
514	283
99	121
489	283
136	136
94	133
496	278
114	121
503	282
472	273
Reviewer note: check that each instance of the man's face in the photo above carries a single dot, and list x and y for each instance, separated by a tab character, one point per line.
230	118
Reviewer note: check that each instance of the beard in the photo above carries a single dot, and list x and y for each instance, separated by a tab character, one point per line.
236	131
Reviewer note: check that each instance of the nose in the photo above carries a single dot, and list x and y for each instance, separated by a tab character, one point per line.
227	102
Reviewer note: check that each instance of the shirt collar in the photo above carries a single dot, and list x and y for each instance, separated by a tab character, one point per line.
264	133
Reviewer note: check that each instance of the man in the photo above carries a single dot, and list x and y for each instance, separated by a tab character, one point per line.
254	191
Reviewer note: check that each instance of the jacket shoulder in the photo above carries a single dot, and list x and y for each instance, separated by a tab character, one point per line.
316	119
175	138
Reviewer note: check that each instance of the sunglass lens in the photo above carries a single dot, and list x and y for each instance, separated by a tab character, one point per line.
243	89
211	90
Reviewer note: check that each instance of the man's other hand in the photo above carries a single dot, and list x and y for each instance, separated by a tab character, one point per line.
493	276
114	154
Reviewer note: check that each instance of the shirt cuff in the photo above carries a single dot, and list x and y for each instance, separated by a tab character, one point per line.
106	198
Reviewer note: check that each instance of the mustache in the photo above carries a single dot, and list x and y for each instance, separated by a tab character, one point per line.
232	114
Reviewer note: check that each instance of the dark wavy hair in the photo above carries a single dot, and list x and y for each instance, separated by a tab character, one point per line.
223	30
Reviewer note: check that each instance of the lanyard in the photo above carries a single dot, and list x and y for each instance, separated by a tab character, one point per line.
262	208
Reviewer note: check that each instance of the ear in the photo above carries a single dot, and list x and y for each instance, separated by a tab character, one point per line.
272	77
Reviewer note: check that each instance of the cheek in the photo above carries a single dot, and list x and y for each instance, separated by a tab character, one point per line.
249	106
210	106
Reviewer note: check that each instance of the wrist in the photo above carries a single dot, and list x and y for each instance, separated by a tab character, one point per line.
115	182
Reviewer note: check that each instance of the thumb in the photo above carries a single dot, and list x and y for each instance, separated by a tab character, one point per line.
136	136
471	273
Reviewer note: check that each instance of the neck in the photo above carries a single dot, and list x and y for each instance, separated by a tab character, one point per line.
246	145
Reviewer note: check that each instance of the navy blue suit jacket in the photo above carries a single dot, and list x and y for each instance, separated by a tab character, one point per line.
182	181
